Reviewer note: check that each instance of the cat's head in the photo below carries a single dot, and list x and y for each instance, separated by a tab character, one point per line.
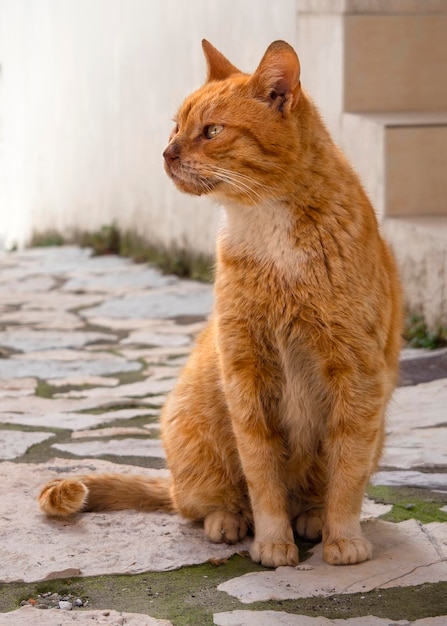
234	137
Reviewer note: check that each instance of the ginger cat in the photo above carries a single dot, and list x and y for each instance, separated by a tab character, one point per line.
277	421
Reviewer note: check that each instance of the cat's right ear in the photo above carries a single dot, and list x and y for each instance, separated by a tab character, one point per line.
219	67
277	77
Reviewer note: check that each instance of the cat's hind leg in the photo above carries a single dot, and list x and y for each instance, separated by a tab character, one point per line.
207	480
222	526
309	524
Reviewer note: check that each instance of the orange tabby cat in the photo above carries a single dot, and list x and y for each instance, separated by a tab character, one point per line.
277	421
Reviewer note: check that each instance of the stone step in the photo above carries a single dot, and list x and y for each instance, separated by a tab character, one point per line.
401	159
395	62
420	245
362	56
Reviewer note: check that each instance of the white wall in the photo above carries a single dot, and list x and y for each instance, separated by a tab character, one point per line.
87	92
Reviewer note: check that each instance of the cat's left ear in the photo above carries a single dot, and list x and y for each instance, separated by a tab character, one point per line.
219	67
277	77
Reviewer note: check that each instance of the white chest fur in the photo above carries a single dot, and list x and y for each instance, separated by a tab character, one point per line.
264	232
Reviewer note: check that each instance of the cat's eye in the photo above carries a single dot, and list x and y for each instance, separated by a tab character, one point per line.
212	130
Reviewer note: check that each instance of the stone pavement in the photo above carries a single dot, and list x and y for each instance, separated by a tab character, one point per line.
89	348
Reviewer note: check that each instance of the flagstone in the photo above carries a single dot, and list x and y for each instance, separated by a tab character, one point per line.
27	284
53	300
13	387
371	509
39	406
27	615
119	282
52	257
156	356
130	413
28	340
281	618
139	389
147	324
81	381
144	447
411	478
157	339
71	354
406	448
60	320
126	542
14	443
113	431
47	369
158	303
69	421
404	554
418	407
438	534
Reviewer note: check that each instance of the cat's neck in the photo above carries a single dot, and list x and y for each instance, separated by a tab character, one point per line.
316	194
262	233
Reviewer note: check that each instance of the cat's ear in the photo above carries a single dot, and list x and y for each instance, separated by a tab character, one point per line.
277	77
219	67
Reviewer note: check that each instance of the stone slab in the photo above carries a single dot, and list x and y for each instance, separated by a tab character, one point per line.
27	340
418	407
196	301
113	431
27	285
438	534
70	354
139	278
64	413
81	380
281	618
410	478
420	366
51	300
146	324
157	339
144	447
157	356
14	443
50	369
27	616
69	421
139	389
417	427
60	320
404	554
412	448
119	542
13	387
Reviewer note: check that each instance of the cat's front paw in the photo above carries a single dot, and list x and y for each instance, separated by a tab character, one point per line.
274	553
347	551
224	527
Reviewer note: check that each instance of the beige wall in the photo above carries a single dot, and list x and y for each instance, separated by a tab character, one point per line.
87	92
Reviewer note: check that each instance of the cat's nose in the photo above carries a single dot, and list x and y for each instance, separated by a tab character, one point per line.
172	153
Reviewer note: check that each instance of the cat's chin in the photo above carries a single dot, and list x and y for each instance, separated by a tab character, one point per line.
196	188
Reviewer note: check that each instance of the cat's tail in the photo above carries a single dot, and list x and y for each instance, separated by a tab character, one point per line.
105	492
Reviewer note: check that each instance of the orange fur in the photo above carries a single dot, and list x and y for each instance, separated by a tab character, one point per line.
278	418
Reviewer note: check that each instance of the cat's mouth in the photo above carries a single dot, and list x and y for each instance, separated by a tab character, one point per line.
189	181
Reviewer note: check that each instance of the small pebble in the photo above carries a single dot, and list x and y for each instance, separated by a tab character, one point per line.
64	605
78	602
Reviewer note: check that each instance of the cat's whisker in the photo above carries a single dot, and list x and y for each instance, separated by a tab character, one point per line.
240	182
